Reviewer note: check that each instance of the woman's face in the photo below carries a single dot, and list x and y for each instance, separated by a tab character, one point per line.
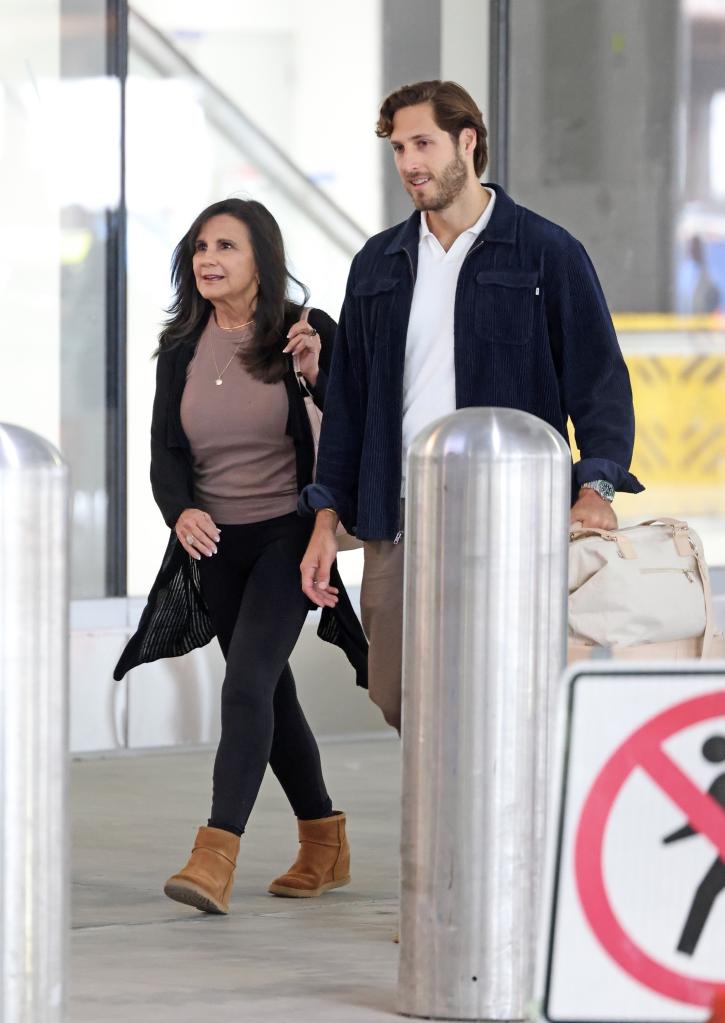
223	261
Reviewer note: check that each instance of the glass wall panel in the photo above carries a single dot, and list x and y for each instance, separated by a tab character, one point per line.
258	102
59	175
617	131
88	108
30	364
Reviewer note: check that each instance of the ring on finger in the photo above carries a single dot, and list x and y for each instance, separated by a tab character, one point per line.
190	539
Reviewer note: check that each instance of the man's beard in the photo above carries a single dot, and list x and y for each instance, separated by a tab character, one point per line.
450	185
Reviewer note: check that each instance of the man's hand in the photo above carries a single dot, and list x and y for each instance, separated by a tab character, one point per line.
592	511
317	562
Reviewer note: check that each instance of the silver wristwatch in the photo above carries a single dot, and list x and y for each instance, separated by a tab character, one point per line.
602	487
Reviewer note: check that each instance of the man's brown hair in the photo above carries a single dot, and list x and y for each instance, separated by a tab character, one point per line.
453	109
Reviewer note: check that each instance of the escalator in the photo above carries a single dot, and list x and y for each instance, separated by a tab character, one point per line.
157	51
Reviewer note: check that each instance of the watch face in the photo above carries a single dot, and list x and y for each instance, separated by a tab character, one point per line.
603	488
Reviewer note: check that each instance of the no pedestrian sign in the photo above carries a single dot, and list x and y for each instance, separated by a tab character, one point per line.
635	929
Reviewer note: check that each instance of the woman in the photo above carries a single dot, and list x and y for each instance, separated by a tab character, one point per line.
231	448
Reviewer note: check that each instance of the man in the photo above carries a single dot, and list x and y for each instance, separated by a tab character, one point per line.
472	301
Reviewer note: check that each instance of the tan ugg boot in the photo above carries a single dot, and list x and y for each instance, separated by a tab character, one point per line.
206	880
322	863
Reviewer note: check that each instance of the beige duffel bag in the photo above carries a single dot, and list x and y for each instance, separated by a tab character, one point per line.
640	592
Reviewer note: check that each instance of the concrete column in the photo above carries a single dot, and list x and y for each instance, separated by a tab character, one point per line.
595	89
411	53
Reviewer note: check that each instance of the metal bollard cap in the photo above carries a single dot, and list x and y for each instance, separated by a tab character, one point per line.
22	449
489	433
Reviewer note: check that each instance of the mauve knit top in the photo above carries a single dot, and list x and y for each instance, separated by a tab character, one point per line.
243	458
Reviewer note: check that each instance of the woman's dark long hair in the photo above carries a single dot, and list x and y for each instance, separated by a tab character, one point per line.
274	312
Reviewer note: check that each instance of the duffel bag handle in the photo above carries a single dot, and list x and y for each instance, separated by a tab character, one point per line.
680	531
624	544
679	525
576	528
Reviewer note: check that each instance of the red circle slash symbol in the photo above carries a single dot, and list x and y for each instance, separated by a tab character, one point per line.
643	749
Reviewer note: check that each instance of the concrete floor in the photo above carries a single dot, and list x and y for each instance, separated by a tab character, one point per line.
137	957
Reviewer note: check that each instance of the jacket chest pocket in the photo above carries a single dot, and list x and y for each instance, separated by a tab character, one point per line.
375	296
504	305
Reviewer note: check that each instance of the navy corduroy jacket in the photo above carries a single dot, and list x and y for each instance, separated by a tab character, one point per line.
532	331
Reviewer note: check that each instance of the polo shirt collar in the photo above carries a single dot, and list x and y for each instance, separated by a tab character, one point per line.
474	229
500	228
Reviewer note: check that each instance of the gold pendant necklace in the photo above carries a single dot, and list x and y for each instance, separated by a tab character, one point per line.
220	373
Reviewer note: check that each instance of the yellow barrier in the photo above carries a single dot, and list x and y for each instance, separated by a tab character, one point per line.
679	452
667	322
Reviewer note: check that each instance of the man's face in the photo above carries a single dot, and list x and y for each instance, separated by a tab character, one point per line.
430	164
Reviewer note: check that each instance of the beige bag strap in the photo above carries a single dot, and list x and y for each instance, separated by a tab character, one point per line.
304	316
680	534
709	632
314	415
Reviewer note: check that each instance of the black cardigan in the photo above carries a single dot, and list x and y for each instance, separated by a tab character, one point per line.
175	619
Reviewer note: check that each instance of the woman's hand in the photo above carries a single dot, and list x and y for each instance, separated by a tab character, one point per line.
304	342
197	533
317	561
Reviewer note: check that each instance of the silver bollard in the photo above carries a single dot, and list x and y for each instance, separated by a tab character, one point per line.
486	540
33	728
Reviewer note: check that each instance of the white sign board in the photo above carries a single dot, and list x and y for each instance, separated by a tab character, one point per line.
635	926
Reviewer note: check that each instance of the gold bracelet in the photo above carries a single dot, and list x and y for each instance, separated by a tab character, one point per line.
333	510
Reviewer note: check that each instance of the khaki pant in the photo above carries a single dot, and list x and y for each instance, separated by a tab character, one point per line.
381	603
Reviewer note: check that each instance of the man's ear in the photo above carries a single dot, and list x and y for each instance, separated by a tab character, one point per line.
467	140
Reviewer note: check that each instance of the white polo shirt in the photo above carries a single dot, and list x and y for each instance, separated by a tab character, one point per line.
429	379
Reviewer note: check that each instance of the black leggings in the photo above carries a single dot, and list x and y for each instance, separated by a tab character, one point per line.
252	590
